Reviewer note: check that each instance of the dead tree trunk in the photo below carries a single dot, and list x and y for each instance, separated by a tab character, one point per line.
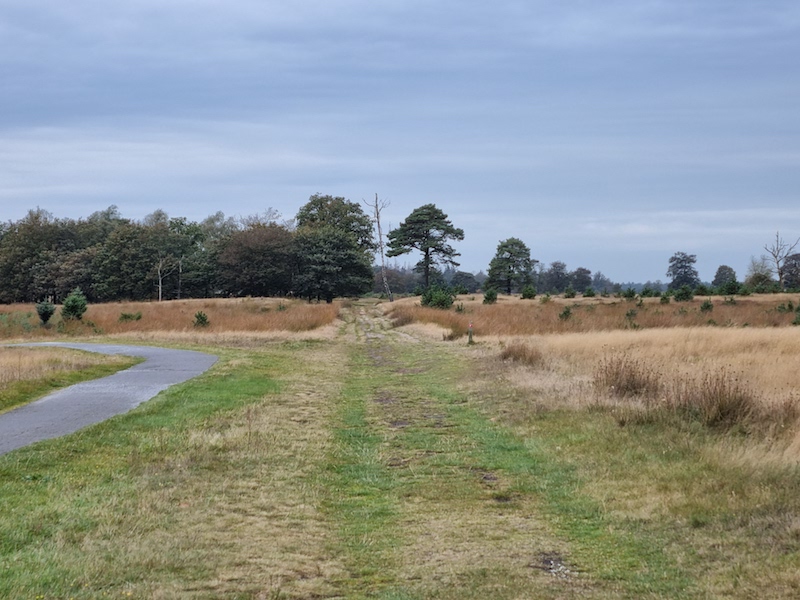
377	207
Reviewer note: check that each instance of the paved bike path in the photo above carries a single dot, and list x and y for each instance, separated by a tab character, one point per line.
90	402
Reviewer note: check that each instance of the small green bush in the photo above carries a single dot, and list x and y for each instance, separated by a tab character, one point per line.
664	299
565	314
545	299
528	292
589	293
730	288
490	296
706	306
124	317
684	294
201	319
628	294
702	290
437	297
569	292
74	305
45	310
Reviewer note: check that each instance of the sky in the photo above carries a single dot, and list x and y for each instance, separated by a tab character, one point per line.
606	135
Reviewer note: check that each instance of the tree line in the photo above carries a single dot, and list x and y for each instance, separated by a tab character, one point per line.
327	250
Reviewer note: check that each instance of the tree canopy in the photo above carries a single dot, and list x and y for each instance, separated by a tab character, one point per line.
682	271
428	230
510	269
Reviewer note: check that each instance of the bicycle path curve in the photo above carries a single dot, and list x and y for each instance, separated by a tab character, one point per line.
90	402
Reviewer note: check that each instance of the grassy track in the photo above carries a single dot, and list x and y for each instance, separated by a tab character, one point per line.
379	465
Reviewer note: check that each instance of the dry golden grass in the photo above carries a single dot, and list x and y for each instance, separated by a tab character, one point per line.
138	319
513	316
30	364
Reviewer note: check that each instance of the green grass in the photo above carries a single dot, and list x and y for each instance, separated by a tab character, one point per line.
373	467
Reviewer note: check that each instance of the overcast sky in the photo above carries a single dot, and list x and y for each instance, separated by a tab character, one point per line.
607	135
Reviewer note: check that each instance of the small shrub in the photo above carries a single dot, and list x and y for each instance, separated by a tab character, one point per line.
647	292
528	292
684	294
565	314
631	314
589	293
628	294
664	299
201	319
125	317
730	300
716	399
74	305
490	296
281	307
702	290
623	376
545	299
45	310
523	353
730	288
569	292
706	306
437	297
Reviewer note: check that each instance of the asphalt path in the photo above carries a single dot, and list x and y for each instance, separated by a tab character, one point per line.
90	402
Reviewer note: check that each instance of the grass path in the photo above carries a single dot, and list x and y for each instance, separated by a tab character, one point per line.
380	465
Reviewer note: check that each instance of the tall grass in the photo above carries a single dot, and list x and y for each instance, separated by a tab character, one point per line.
513	316
26	373
224	315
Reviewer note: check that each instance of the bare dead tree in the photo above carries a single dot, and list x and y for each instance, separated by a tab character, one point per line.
377	206
778	253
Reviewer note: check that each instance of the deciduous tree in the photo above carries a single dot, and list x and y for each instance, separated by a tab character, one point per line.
330	264
778	252
682	271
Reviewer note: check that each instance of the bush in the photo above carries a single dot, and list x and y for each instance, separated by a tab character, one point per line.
74	305
124	317
565	314
490	296
528	292
45	310
201	319
664	299
647	292
628	294
589	293
437	297
523	353
730	288
702	290
569	292
706	306
545	299
684	294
